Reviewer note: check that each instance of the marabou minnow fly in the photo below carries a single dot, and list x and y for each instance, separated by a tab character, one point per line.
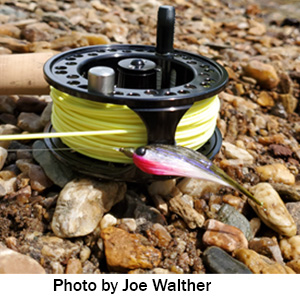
160	159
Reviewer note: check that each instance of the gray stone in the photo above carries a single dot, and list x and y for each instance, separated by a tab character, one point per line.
218	261
81	205
54	169
288	192
30	122
229	215
46	114
57	18
7	104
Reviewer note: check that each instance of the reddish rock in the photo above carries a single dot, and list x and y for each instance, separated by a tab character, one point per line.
126	251
12	262
224	236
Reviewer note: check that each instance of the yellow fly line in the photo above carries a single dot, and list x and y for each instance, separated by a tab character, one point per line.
97	129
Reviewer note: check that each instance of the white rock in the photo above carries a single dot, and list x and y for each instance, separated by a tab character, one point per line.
130	223
197	187
273	212
3	156
234	152
290	248
108	220
81	205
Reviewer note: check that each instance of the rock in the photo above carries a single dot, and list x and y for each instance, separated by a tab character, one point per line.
197	187
74	266
12	262
29	122
267	247
133	207
290	247
160	204
49	6
56	171
46	114
289	102
224	236
55	248
280	150
128	251
257	28
30	104
277	173
234	201
264	99
162	188
56	267
233	152
77	39
85	253
230	216
265	74
107	221
3	156
38	179
4	51
37	32
162	234
290	193
217	261
8	186
81	205
50	17
294	265
279	111
8	119
191	217
10	30
7	104
273	212
294	210
271	139
153	271
260	264
129	223
15	45
286	84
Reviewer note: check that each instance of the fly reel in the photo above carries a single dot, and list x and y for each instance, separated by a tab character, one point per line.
160	84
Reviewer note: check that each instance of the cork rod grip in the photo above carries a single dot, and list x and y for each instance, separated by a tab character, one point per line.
22	74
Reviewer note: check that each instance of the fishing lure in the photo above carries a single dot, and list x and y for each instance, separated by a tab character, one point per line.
160	159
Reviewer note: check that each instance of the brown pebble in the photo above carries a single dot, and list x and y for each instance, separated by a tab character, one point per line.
265	74
74	266
260	264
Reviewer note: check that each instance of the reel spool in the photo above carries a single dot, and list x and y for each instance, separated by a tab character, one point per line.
158	83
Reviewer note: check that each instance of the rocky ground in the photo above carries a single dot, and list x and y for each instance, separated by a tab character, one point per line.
53	223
